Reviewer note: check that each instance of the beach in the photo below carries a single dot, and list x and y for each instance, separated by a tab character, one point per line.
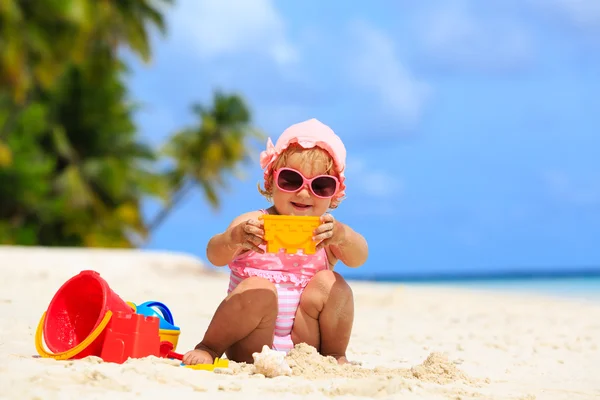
407	342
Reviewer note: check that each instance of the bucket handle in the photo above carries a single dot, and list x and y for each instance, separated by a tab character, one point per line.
163	308
65	355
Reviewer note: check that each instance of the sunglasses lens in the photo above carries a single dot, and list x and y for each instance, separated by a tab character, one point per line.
324	186
289	180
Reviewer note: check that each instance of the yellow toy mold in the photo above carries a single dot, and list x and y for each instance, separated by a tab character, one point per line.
218	363
290	232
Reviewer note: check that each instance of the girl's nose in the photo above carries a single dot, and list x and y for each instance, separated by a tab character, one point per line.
304	192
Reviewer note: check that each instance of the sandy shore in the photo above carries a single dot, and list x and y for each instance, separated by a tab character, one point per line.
412	342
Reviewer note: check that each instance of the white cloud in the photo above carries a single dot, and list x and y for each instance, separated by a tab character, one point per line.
372	182
454	36
376	187
214	28
374	64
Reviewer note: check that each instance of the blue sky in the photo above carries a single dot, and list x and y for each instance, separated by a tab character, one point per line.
472	128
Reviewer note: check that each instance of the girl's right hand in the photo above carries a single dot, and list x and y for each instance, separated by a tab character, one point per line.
249	235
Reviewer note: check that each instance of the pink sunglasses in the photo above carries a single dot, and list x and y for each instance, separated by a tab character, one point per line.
290	180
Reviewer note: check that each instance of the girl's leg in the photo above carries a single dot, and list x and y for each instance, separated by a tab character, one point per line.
242	324
325	315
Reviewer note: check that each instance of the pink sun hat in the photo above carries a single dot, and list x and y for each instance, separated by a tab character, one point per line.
308	134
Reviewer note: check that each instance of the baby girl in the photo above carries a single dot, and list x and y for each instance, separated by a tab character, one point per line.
283	299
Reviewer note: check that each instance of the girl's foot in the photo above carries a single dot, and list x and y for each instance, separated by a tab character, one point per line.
342	360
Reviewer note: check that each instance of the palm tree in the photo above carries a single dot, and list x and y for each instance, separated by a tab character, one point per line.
62	57
37	39
74	173
91	171
102	169
202	155
127	23
42	39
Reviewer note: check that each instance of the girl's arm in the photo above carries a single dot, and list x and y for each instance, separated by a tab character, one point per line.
223	247
351	249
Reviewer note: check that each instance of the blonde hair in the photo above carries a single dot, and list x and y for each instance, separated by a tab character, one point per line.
309	156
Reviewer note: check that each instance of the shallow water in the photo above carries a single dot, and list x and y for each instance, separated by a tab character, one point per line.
587	288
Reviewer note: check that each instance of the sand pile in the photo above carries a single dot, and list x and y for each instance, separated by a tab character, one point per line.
304	361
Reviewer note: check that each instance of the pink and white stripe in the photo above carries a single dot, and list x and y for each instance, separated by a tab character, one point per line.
288	300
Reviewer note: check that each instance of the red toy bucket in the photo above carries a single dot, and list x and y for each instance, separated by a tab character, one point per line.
74	323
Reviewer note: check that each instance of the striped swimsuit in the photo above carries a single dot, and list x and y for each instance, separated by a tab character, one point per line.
290	273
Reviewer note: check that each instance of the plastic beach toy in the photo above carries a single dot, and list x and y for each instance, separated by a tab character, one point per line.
219	363
290	232
74	324
167	329
156	309
166	350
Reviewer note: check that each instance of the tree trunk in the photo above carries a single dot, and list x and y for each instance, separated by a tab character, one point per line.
179	195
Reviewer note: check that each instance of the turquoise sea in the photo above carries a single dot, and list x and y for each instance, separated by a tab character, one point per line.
581	287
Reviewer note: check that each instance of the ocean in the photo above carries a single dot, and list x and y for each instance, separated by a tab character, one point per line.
580	287
583	285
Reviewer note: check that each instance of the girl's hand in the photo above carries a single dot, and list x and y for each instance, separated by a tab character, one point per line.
330	232
197	356
249	235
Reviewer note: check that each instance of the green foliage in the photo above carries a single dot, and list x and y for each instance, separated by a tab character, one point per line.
40	39
73	170
25	184
203	154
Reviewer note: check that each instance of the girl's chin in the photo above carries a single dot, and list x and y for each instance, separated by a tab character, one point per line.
301	213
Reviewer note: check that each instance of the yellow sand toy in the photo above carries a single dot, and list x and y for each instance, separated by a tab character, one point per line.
219	363
290	232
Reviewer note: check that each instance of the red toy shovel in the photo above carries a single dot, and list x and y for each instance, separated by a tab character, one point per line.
166	351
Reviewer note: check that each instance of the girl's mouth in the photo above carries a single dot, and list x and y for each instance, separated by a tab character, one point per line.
300	206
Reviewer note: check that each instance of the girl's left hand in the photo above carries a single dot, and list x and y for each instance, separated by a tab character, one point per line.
330	232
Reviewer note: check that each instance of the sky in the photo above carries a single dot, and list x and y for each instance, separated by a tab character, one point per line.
469	125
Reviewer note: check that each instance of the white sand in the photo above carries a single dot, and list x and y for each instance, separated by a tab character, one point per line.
496	346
